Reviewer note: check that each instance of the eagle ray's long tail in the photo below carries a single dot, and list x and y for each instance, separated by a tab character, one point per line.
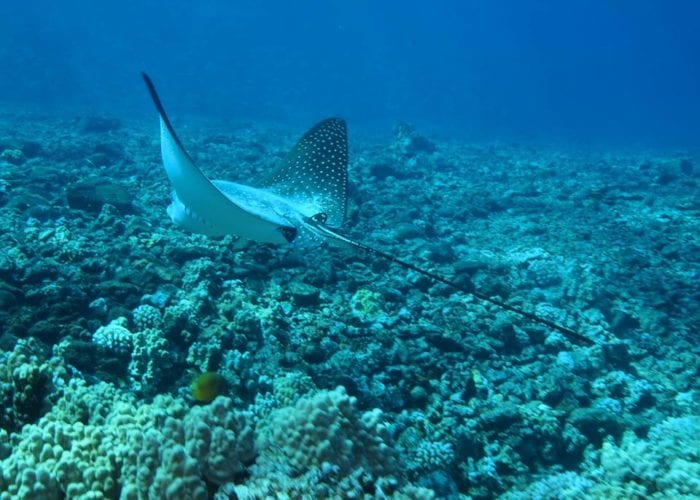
569	333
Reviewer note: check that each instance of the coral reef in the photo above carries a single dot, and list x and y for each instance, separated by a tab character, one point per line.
345	378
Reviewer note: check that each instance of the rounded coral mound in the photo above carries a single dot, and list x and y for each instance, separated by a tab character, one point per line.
325	447
327	428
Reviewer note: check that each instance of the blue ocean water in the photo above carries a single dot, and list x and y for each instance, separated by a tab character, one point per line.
473	257
622	71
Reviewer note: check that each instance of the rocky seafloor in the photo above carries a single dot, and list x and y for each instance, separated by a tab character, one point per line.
347	377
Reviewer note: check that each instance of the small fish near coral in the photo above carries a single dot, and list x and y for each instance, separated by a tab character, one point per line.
306	197
207	386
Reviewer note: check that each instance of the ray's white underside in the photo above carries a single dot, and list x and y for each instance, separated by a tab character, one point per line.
221	207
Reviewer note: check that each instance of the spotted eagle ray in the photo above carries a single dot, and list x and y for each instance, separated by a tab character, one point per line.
305	196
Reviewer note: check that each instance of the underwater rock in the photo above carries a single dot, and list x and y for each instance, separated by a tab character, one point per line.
382	171
23	201
13	156
9	296
90	195
439	253
107	154
597	423
617	354
314	354
253	151
503	331
321	275
120	290
183	254
100	125
666	176
31	149
687	166
640	396
46	270
98	308
220	140
672	251
623	322
469	267
501	418
418	397
445	344
162	296
7	341
84	355
113	150
304	294
410	143
407	231
45	330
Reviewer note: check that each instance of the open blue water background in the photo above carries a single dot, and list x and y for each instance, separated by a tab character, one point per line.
619	72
